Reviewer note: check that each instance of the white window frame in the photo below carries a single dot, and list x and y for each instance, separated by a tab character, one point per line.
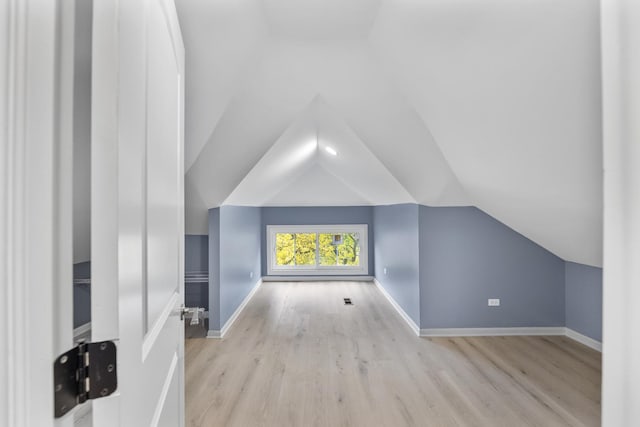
317	270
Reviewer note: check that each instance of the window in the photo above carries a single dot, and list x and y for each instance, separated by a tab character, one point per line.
317	249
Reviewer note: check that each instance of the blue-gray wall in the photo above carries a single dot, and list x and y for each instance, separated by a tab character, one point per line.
583	286
329	215
240	249
443	263
214	269
467	257
234	259
396	248
196	253
196	260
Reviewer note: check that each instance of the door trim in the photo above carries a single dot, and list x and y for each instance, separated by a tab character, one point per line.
155	330
28	96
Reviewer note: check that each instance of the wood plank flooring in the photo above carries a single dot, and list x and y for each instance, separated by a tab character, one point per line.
297	356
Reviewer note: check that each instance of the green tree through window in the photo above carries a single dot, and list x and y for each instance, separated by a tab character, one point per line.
296	249
305	248
318	249
285	249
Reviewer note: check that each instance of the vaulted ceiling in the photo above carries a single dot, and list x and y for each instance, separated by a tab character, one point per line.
490	103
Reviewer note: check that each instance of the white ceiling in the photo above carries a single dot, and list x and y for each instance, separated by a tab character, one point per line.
491	103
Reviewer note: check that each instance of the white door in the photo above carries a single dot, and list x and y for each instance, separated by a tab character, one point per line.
137	208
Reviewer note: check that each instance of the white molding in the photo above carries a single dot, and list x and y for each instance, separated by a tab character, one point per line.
317	270
583	339
162	400
487	332
399	309
213	334
229	323
154	332
29	161
317	278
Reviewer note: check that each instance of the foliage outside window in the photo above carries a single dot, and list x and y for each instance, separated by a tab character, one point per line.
317	249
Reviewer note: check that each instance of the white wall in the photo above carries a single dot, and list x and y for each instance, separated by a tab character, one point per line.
621	294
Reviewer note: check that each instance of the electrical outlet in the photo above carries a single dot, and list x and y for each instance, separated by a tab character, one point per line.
385	271
251	275
493	302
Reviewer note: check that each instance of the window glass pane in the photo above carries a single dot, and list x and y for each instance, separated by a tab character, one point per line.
285	243
348	252
328	254
305	248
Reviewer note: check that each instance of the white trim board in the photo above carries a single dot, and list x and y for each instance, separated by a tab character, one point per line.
317	278
317	269
583	339
399	309
491	332
494	332
212	333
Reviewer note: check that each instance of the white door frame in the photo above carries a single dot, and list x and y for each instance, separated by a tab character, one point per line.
621	288
35	206
29	210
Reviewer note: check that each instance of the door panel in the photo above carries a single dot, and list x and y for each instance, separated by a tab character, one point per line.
162	169
144	38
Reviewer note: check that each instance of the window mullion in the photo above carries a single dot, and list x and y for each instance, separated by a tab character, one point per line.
317	250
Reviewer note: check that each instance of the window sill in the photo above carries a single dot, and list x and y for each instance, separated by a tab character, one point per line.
317	278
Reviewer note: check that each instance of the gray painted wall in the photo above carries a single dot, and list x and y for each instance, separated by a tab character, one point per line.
196	253
316	216
467	256
214	269
583	298
240	250
196	259
443	263
396	248
234	259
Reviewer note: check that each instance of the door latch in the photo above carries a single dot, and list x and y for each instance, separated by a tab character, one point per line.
183	311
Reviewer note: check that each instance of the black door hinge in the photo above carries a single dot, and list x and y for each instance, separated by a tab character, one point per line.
85	372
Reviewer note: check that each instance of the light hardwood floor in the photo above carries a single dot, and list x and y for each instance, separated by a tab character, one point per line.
297	356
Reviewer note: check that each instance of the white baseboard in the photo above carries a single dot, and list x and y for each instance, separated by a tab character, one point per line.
433	332
485	332
225	328
583	339
399	309
213	334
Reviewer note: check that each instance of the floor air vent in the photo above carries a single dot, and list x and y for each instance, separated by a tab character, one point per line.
347	301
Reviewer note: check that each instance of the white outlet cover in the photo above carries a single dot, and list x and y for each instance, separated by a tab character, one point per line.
493	302
385	271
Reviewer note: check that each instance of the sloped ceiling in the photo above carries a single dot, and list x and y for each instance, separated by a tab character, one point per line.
299	159
491	103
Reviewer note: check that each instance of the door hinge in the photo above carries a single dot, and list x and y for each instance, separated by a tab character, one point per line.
85	372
